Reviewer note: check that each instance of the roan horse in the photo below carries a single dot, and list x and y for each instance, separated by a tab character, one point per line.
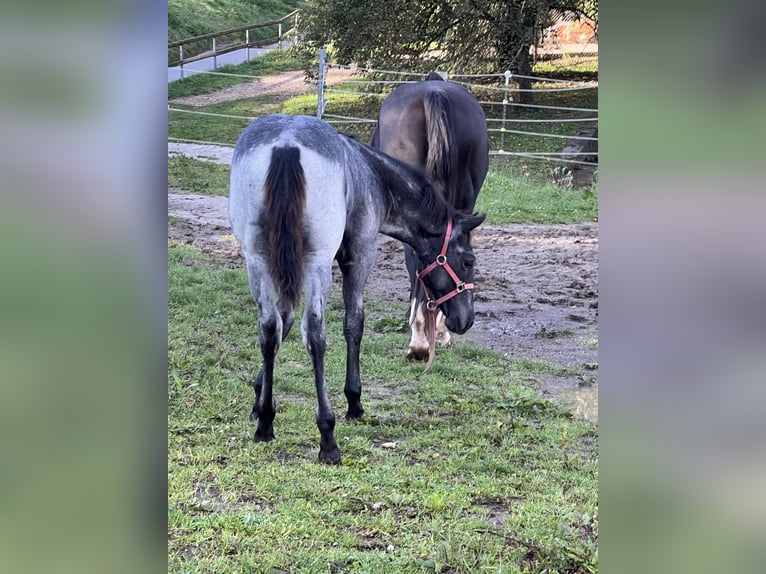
302	195
440	127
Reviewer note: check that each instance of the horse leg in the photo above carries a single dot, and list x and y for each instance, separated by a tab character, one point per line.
442	333
313	328
288	318
270	328
418	346
356	268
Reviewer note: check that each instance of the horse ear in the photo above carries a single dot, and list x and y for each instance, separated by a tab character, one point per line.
470	222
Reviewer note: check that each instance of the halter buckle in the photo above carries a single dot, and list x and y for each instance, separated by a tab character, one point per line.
431	305
460	287
441	259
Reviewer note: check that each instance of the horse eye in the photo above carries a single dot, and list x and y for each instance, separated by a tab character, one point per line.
468	263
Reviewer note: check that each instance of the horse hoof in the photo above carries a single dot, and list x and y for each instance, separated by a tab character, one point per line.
330	457
414	354
354	413
263	436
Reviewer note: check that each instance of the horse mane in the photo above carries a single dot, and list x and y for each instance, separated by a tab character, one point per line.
285	197
432	203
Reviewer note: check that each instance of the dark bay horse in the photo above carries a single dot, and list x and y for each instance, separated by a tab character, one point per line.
440	127
302	195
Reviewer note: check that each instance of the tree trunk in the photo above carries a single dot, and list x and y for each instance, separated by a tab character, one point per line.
514	56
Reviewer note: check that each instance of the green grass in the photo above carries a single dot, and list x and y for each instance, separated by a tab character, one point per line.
221	130
487	475
506	197
586	69
195	176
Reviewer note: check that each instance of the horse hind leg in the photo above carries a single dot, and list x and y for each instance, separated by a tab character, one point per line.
264	409
288	319
418	349
313	326
272	329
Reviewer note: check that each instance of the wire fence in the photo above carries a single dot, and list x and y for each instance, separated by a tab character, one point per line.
499	95
562	120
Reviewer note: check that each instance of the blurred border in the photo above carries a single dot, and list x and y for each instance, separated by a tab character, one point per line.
683	287
83	290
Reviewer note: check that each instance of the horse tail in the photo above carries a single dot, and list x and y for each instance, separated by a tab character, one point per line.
285	197
441	151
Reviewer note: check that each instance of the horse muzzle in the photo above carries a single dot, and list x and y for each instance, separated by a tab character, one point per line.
459	323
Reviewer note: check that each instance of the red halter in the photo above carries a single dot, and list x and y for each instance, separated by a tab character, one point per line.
431	305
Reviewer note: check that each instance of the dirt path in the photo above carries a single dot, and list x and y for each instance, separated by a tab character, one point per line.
286	84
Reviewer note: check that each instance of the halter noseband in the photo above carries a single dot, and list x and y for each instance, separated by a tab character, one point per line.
431	305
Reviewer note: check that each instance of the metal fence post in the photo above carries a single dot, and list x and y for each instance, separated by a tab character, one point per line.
320	82
247	41
215	60
279	34
505	107
181	55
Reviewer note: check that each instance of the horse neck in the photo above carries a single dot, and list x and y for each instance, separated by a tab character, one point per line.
409	216
392	192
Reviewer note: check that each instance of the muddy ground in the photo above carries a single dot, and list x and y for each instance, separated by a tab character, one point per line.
536	290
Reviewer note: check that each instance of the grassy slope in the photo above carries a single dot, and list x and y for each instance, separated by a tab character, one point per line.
486	474
187	18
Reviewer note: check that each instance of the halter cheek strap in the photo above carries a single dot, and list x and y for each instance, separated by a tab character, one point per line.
431	304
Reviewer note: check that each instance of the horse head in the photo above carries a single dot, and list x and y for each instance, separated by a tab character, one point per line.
446	272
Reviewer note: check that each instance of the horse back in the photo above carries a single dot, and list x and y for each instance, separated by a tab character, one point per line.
440	127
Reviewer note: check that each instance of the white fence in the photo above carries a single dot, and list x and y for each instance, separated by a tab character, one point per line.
578	149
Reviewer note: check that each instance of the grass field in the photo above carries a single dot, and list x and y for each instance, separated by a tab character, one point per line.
484	474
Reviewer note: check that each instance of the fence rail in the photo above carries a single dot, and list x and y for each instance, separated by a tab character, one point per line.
216	50
581	148
578	151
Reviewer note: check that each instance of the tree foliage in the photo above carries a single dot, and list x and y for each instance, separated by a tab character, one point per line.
451	35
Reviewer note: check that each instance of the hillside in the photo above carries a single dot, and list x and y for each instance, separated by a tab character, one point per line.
187	18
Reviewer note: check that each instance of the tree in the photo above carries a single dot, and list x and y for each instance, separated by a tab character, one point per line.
452	35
